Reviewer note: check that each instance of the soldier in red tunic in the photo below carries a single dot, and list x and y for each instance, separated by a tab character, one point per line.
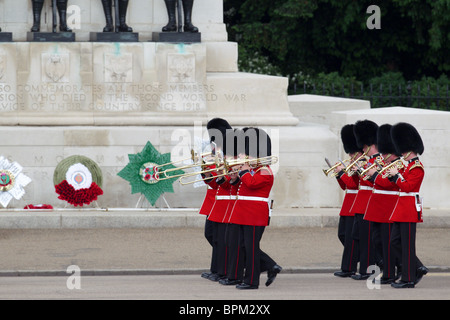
251	209
381	204
216	129
348	183
408	210
366	138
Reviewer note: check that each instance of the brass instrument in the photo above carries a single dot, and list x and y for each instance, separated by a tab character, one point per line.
397	163
197	162
362	157
378	163
333	167
229	167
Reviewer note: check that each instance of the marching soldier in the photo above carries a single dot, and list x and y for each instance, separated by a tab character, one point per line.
251	210
381	204
216	129
235	263
366	138
408	210
350	185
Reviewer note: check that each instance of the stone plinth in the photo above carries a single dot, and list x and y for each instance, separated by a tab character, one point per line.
101	83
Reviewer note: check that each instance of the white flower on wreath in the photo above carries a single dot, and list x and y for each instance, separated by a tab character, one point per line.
12	181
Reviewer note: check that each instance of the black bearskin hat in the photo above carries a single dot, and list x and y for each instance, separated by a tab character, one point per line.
217	128
234	143
257	143
384	140
406	138
348	139
365	133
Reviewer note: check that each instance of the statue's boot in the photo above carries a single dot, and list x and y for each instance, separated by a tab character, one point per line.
62	10
37	9
123	5
172	24
107	9
187	8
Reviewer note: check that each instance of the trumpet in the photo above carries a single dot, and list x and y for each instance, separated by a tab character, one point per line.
362	157
327	171
397	163
378	164
230	167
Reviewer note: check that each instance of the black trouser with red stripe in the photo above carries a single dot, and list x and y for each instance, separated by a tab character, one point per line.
219	252
245	254
381	237
350	255
209	237
362	233
403	246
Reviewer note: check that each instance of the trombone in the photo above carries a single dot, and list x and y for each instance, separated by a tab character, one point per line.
196	159
229	167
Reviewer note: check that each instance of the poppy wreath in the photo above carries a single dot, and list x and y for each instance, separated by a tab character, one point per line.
78	180
12	181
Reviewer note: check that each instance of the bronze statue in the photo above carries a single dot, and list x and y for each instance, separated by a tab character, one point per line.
61	5
121	12
171	11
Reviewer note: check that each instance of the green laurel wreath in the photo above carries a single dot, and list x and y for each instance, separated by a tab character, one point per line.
132	172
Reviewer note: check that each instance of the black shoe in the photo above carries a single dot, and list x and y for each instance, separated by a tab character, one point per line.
272	274
206	275
402	285
344	274
421	271
361	276
228	282
214	277
387	281
244	286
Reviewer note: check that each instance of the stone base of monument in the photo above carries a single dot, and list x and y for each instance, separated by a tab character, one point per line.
5	36
177	37
114	37
51	36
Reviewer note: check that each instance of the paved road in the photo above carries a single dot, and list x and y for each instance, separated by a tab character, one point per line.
288	286
181	249
166	263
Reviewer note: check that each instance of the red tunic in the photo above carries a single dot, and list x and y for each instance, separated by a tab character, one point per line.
252	204
383	200
364	192
409	182
350	185
210	197
222	201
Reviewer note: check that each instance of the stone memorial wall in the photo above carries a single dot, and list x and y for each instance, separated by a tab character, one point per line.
105	100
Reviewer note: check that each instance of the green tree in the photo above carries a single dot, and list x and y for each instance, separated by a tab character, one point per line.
325	36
